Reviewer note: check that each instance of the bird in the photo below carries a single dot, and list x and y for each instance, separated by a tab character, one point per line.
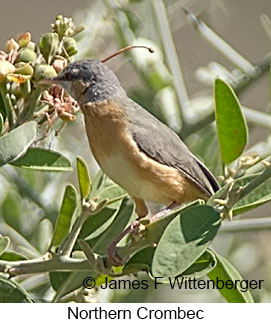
132	147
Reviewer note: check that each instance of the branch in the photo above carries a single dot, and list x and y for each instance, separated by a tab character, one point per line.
88	209
246	225
219	43
49	262
7	102
172	57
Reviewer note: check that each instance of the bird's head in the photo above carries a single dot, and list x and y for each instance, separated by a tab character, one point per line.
88	81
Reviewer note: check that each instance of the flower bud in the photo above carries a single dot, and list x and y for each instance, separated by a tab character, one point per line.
69	44
48	45
5	69
19	78
63	26
59	64
3	56
44	71
31	45
24	39
24	69
26	55
11	44
22	73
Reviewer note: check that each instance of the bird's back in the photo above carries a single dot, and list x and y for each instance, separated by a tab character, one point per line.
163	145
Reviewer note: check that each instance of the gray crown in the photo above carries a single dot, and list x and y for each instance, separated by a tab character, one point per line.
103	82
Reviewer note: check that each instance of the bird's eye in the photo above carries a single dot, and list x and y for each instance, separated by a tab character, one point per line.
75	71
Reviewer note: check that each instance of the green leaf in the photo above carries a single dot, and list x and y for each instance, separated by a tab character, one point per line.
66	282
184	240
154	231
98	183
231	125
259	196
44	160
12	292
122	219
202	266
12	256
83	177
114	194
67	209
4	243
226	272
58	278
98	223
42	235
16	142
142	260
11	209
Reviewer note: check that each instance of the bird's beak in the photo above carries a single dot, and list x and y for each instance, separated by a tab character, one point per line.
48	81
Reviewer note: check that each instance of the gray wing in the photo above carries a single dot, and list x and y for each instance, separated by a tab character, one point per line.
163	145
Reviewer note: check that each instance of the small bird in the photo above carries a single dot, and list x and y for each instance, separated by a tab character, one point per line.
137	151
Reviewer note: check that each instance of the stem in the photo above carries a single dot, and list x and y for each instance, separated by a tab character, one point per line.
172	57
258	118
30	106
246	225
43	264
69	243
87	211
7	103
189	129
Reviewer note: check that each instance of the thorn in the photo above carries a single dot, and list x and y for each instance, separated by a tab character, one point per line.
192	18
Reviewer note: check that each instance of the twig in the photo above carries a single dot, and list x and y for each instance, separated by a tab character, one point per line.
69	243
7	103
172	56
221	45
30	106
262	67
88	209
257	181
246	225
43	264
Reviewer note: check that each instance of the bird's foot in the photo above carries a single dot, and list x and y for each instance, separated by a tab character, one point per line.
112	249
135	230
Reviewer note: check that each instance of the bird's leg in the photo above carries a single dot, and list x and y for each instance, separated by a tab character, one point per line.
141	210
164	211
